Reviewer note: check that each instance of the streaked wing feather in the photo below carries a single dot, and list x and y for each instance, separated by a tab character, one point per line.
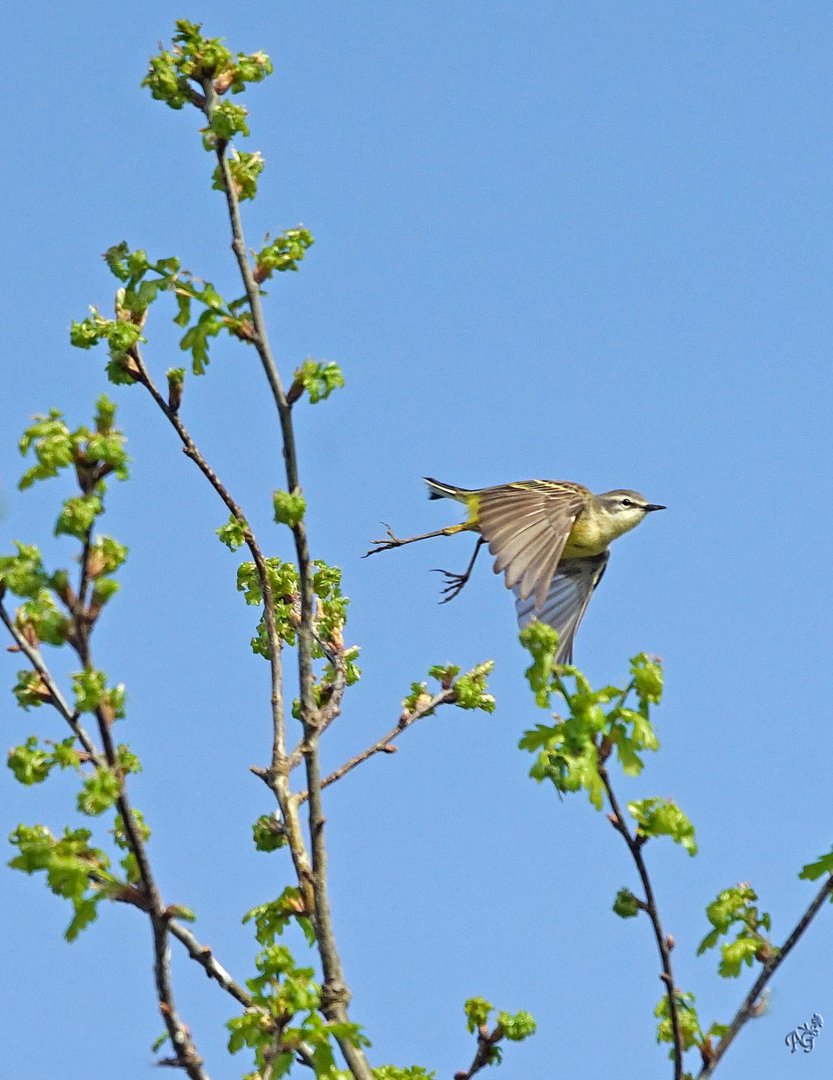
526	526
566	601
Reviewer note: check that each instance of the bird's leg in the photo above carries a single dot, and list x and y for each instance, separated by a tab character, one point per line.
394	541
455	582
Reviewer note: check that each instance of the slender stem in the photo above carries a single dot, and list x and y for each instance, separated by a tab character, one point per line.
206	959
384	744
56	697
277	776
484	1055
748	1007
635	848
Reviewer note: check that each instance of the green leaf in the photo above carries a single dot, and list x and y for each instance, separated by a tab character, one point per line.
269	834
99	792
89	687
78	515
516	1026
477	1012
626	905
284	253
245	168
662	817
814	870
289	507
318	378
541	641
23	573
232	534
30	763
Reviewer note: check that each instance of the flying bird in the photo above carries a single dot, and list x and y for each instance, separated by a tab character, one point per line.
550	539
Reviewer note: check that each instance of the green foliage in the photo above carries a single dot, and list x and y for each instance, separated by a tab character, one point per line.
626	905
477	1012
271	919
283	253
227	120
268	833
143	281
331	608
177	75
40	620
541	641
516	1026
662	817
285	1014
23	573
30	690
814	870
31	763
317	378
233	533
73	869
245	168
94	454
470	690
690	1030
598	722
290	507
736	906
99	792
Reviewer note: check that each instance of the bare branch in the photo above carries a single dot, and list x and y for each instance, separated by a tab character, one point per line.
206	959
650	905
406	720
752	1000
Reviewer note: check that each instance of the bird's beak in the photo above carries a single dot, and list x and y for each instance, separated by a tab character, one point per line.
653	506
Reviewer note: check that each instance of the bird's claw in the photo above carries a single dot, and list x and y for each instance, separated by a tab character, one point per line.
453	584
392	541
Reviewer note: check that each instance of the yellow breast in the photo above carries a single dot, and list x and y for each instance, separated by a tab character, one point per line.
595	529
590	535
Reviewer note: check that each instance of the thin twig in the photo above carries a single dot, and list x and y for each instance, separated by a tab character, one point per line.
384	744
277	776
748	1007
484	1055
207	960
635	847
57	699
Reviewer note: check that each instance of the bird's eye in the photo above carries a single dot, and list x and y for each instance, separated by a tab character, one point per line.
627	502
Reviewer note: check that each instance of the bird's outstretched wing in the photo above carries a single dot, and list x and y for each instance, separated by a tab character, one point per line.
526	526
566	602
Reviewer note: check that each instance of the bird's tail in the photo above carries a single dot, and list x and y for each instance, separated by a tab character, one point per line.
436	490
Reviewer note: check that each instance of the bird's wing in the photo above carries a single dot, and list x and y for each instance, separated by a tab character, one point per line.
526	526
566	602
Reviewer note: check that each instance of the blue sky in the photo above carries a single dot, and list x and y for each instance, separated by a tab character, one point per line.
579	241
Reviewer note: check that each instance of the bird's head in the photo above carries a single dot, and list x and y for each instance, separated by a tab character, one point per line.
625	508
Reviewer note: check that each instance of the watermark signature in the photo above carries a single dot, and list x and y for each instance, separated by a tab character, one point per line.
804	1036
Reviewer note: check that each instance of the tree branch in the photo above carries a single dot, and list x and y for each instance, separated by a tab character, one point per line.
206	959
384	744
334	994
34	657
748	1007
277	776
635	847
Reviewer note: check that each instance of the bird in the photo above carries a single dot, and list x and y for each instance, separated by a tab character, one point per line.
550	539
